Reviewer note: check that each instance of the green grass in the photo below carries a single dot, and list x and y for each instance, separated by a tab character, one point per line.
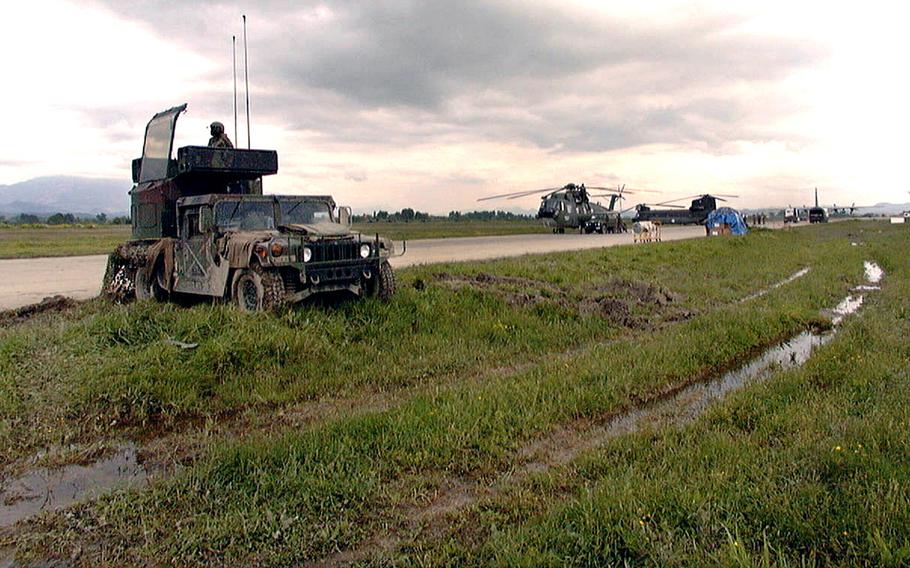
43	241
38	241
71	376
809	469
302	493
444	229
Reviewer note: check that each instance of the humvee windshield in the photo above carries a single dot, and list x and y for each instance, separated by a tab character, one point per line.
252	215
159	137
245	215
305	212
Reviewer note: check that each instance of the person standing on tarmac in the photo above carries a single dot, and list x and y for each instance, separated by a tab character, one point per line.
219	139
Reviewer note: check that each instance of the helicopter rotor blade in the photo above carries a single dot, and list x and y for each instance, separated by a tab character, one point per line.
666	204
517	194
607	194
669	201
546	193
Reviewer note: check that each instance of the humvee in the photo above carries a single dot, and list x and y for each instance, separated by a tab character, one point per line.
202	226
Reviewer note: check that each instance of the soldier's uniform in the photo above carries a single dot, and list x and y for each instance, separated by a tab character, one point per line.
219	139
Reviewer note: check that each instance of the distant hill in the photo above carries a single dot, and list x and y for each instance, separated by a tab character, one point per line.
65	194
884	209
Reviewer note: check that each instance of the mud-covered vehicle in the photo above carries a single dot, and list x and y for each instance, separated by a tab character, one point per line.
202	226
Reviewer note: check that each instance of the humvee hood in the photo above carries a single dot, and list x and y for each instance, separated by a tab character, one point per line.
320	229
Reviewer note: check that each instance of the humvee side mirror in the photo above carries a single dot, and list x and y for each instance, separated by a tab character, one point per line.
344	215
206	219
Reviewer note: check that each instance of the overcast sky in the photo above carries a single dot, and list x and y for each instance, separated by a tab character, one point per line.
432	104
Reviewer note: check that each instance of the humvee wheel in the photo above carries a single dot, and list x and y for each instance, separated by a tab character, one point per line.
382	285
258	289
149	288
119	280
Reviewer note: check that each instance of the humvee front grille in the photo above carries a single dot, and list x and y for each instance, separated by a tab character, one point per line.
334	251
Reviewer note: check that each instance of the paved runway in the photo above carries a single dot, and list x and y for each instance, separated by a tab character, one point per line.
26	281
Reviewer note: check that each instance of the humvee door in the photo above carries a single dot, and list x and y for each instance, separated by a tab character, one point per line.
198	265
159	139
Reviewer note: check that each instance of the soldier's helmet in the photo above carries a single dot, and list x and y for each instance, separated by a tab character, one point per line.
217	128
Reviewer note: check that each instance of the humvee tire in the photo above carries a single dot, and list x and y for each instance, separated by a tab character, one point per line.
149	288
257	288
119	280
382	285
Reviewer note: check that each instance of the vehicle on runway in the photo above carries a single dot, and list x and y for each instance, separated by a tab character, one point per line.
821	213
793	215
202	226
695	214
571	207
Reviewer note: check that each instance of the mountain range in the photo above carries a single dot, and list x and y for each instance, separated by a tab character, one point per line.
65	194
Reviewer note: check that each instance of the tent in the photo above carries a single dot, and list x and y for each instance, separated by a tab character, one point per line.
730	217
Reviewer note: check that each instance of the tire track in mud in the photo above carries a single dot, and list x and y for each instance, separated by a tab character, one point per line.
673	406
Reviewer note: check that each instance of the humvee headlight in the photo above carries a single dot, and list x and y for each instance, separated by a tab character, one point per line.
277	249
307	254
364	251
260	251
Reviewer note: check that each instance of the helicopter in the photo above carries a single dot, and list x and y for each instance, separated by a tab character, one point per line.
695	214
570	206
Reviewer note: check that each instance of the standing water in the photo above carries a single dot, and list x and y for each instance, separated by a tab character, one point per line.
693	400
45	489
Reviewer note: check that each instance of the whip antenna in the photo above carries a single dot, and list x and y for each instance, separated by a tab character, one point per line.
234	50
246	74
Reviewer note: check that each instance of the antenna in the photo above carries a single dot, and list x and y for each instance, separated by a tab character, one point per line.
246	74
234	52
816	197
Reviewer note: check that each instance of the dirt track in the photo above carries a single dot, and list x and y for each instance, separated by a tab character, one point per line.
27	281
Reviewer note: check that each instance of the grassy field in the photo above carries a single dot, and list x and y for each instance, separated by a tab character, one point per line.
444	229
30	242
36	241
338	431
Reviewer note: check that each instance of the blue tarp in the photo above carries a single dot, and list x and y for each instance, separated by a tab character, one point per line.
727	216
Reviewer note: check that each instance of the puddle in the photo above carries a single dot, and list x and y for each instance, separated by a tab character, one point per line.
686	405
693	400
45	489
847	306
796	275
874	272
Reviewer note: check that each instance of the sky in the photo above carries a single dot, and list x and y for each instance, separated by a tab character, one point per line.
433	104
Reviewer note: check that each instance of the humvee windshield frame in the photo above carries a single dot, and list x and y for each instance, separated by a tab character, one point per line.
158	144
268	213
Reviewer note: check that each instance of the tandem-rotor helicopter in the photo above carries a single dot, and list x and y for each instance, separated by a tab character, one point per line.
695	214
570	207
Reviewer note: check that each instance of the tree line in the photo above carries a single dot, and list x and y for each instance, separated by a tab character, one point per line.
405	215
63	219
408	215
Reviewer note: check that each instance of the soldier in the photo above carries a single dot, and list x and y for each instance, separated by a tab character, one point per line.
219	139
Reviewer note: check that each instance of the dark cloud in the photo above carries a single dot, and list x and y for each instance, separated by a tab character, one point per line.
564	78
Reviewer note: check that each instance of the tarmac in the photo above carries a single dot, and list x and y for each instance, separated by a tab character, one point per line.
29	280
